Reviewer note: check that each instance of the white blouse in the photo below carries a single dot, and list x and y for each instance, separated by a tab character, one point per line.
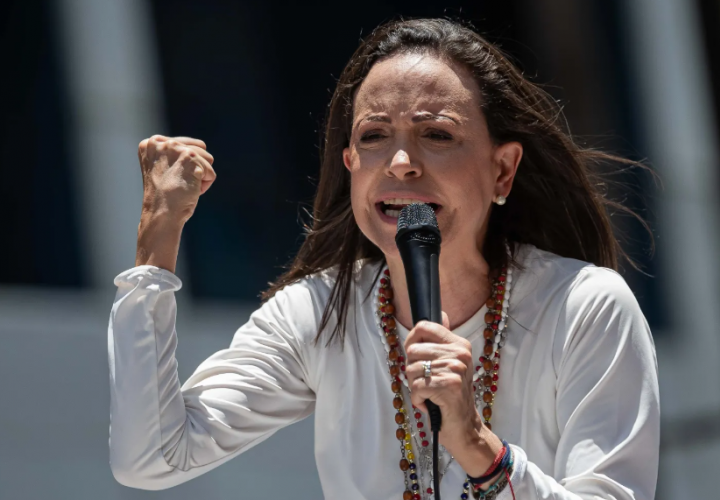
577	397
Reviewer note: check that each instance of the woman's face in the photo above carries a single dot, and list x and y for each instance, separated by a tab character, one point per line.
418	134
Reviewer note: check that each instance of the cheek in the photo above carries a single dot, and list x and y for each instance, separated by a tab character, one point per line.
469	181
471	190
359	186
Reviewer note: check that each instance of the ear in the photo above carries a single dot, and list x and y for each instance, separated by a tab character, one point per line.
346	158
507	158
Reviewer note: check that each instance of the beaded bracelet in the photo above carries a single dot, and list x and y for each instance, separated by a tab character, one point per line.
490	472
498	486
501	462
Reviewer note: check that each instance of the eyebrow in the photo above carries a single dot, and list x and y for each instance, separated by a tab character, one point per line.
420	117
425	116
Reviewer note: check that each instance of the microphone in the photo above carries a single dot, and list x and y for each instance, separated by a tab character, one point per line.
418	240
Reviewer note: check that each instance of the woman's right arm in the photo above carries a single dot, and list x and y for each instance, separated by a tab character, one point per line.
162	433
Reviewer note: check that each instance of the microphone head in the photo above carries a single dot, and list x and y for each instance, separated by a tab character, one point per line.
418	218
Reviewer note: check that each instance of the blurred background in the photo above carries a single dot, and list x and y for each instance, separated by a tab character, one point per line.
83	81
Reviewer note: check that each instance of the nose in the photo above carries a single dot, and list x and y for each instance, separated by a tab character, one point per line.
402	167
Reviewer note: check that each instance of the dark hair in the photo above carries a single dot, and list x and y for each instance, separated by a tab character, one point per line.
557	202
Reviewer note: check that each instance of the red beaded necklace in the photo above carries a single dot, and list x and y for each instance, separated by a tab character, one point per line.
485	378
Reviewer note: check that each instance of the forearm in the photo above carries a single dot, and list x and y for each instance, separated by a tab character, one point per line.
158	240
478	449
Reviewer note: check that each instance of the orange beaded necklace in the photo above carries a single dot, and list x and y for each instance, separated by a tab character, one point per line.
485	378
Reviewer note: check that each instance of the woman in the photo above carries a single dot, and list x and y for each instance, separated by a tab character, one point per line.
542	344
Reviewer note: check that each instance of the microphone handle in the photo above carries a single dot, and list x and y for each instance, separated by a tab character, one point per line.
420	259
422	274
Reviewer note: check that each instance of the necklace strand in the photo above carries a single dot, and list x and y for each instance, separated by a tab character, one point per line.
485	380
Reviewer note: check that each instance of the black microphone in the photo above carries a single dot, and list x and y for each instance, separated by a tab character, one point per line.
418	240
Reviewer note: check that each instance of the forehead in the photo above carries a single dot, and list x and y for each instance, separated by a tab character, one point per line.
408	82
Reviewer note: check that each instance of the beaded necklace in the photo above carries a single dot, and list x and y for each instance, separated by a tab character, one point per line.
485	380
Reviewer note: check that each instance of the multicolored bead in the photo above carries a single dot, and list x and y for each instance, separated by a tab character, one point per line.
485	388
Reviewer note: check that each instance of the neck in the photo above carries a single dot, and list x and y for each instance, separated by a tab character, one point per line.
464	287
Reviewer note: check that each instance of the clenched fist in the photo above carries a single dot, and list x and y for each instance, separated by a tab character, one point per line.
175	172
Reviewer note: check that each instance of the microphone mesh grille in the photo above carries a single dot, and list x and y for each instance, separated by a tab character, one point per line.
417	214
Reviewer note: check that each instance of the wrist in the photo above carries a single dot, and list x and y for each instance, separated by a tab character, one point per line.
481	447
499	474
158	241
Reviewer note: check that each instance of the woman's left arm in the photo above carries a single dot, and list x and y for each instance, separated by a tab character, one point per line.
607	404
607	408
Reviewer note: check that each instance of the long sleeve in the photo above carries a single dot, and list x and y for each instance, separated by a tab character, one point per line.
162	434
607	402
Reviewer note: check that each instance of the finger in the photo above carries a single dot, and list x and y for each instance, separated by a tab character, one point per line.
428	351
208	172
208	179
142	149
419	404
190	141
421	392
445	320
152	143
203	171
201	167
419	384
200	151
438	367
426	331
414	371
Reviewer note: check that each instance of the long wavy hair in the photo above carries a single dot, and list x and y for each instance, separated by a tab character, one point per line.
558	201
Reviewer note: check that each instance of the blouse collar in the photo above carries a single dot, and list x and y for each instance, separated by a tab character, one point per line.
474	324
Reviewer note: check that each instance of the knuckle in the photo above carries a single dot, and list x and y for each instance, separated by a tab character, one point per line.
454	383
157	138
411	336
143	145
184	154
465	357
457	366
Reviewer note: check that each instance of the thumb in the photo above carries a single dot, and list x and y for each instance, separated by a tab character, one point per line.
445	320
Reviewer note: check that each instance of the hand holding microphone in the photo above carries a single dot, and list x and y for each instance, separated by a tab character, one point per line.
449	385
446	393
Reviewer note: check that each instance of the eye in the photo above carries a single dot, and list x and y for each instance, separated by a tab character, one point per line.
372	136
438	135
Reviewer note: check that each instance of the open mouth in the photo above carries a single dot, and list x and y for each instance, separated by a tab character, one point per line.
392	207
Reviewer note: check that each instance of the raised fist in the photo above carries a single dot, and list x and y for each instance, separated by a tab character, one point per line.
175	172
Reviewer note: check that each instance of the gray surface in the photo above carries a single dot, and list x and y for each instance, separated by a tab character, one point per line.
55	403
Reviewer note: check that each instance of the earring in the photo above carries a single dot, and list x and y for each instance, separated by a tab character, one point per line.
500	199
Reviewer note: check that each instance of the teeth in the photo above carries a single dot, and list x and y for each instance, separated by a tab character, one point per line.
393	213
401	201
